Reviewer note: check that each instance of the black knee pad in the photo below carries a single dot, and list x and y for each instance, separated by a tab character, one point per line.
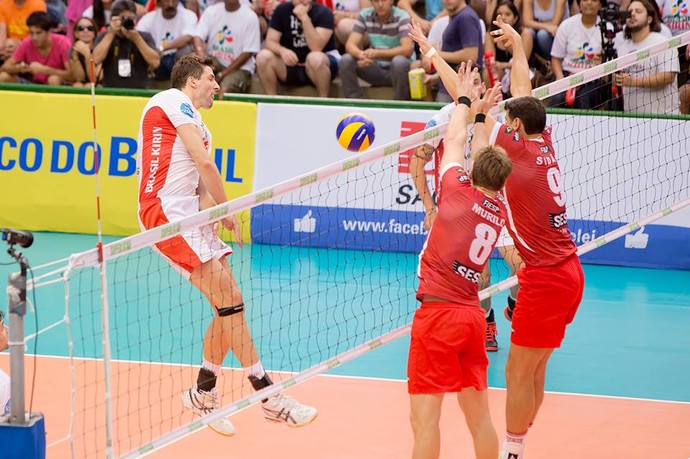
230	310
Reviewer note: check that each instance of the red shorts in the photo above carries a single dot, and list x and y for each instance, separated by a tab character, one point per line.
547	302
192	247
447	350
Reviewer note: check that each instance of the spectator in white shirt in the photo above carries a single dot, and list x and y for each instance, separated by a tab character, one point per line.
650	85
172	28
228	32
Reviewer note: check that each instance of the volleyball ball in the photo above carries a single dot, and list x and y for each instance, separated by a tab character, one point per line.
355	132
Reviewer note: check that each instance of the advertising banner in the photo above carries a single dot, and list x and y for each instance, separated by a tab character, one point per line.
47	167
637	173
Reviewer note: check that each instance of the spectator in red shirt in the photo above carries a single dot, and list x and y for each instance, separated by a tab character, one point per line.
41	57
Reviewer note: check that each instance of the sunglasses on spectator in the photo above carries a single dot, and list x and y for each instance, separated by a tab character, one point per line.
82	28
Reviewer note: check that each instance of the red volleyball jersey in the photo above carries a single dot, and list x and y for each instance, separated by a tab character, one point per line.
460	241
535	199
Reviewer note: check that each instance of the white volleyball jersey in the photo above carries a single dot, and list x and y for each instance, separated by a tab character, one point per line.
166	169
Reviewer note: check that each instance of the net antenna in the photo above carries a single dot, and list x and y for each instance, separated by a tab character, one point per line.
105	325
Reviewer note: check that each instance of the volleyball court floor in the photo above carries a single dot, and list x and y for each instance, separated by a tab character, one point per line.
618	388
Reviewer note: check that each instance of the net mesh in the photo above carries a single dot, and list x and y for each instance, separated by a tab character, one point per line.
332	268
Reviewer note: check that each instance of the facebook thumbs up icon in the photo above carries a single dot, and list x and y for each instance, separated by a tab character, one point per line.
637	240
306	224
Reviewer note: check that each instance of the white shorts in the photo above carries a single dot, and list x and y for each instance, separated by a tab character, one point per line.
504	239
192	247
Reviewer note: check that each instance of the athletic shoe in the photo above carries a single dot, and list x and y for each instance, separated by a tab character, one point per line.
201	403
512	451
491	333
281	408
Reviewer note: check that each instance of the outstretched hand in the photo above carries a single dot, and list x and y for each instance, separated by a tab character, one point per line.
505	34
491	98
417	34
465	85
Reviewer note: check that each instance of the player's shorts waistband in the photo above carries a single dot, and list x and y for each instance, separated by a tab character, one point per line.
556	265
446	305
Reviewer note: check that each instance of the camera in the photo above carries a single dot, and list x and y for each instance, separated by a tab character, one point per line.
612	13
127	23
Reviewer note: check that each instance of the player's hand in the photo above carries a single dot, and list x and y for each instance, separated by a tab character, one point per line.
429	219
417	34
465	85
289	57
232	224
505	35
621	79
491	98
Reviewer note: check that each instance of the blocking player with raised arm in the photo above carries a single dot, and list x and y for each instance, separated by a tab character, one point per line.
552	280
447	347
178	178
423	155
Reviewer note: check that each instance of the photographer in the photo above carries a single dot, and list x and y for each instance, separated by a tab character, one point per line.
650	85
127	55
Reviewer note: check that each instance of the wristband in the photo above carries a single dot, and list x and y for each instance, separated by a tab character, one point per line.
479	118
465	100
431	53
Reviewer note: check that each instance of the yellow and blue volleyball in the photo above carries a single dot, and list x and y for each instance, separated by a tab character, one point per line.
355	132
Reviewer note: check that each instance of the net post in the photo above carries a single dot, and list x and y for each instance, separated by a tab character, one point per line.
22	435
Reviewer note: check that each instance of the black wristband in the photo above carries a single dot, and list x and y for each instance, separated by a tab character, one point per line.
464	100
479	118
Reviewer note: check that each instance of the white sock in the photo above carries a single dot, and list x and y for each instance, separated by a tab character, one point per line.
210	367
256	370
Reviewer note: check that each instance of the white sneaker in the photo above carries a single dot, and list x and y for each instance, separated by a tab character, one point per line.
513	450
281	408
201	402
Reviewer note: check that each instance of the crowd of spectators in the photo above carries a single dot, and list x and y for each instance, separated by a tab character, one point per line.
134	44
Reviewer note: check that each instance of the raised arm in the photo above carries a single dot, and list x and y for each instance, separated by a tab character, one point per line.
448	76
520	83
484	125
456	136
422	155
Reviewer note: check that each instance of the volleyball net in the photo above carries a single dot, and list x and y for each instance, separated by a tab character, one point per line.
333	281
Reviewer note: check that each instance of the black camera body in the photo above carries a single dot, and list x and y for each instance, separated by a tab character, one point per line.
613	14
128	23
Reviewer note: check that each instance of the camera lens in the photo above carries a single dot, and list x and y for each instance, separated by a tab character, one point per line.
128	23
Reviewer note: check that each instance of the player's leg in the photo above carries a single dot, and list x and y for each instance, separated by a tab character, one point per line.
491	331
235	336
270	68
512	257
522	368
539	383
211	279
425	413
475	405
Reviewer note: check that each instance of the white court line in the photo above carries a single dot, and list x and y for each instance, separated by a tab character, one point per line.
371	378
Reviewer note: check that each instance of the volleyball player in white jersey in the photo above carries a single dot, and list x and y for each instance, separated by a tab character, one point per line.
178	178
